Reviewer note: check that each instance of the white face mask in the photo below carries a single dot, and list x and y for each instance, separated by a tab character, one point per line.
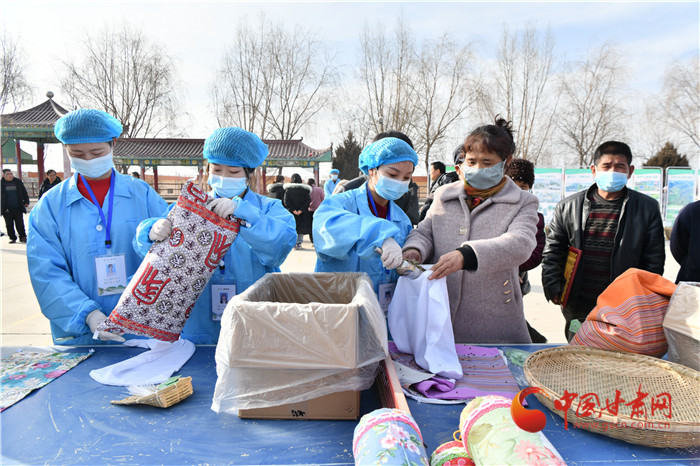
225	186
93	168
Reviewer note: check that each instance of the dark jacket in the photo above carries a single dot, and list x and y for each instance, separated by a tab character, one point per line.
22	196
352	184
639	241
297	196
685	243
534	260
276	191
409	203
46	185
445	178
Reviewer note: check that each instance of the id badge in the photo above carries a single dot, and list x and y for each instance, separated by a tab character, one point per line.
386	292
111	274
220	296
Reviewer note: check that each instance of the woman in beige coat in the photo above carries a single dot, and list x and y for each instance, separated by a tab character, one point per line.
476	233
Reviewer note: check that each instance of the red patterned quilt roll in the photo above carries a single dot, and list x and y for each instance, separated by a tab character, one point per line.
162	292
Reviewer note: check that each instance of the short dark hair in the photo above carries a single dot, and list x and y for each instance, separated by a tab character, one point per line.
296	178
5	170
612	148
497	138
248	172
311	182
522	170
439	166
279	179
51	171
392	133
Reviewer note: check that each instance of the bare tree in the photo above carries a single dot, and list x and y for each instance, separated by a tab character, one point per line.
591	102
15	87
520	90
441	91
128	76
242	93
679	105
273	81
387	69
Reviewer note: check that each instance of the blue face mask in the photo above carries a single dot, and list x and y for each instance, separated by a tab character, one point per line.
389	188
225	186
93	168
610	182
483	178
334	177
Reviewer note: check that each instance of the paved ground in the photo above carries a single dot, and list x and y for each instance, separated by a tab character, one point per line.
24	325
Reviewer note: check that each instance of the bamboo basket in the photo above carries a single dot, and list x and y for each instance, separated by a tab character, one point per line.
164	397
585	370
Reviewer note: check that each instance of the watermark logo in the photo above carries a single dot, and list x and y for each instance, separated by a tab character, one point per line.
590	406
530	420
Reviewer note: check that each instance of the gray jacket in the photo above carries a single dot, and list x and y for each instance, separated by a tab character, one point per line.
486	304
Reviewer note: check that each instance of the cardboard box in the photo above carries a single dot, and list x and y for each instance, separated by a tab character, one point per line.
303	321
291	338
339	405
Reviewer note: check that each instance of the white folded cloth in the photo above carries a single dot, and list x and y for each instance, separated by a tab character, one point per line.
420	324
150	367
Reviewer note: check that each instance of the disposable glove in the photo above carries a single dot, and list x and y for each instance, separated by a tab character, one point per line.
94	319
392	256
160	230
223	207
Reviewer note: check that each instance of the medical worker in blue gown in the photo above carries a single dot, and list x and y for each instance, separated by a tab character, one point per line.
349	227
79	247
267	234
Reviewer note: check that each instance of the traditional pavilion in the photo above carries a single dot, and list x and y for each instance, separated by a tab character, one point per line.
36	125
155	152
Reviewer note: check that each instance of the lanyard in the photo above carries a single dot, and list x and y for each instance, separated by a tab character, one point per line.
374	206
108	223
374	211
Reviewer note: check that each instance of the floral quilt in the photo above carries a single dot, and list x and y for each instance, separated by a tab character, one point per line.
23	372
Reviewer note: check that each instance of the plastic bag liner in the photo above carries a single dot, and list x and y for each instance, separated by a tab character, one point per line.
295	337
682	325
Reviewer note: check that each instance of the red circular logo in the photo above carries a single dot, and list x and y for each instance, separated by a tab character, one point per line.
531	420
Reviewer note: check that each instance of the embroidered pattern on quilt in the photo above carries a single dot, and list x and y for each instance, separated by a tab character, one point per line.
160	296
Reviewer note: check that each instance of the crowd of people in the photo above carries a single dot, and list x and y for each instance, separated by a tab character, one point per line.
479	228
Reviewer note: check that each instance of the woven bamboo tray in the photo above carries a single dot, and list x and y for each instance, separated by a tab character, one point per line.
671	390
164	397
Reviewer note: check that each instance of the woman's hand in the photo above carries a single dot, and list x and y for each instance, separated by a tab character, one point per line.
448	263
412	255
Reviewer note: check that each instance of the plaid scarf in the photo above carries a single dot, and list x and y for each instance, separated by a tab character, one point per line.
477	196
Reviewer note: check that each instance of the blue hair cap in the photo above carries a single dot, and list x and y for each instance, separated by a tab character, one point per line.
235	147
87	125
385	151
335	171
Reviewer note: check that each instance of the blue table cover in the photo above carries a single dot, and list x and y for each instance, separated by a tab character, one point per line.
71	421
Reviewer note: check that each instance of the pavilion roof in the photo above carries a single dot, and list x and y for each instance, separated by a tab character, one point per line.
177	151
33	124
44	114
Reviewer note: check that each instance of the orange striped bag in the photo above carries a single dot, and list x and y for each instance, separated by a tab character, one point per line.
629	315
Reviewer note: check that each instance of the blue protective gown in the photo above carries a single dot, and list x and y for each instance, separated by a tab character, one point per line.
346	233
329	186
258	249
63	241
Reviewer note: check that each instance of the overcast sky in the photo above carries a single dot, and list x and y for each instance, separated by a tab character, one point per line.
651	34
